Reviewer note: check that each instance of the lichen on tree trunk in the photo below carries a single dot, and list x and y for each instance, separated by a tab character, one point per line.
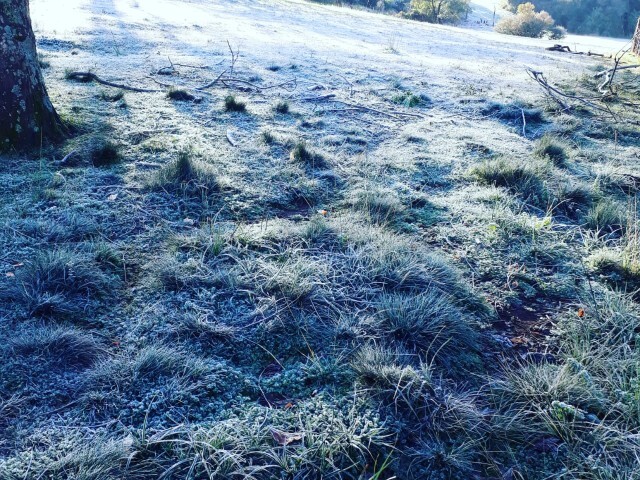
27	117
636	40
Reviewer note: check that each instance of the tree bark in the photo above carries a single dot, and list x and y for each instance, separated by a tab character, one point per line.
636	40
27	117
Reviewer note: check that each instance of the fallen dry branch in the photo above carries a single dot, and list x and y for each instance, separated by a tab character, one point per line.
561	97
613	69
289	85
565	49
92	77
559	48
212	83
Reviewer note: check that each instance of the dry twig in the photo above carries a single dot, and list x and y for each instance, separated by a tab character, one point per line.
92	77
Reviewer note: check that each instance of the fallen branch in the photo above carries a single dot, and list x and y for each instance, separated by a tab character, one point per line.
66	158
92	77
613	69
230	139
565	49
559	48
606	87
318	99
559	96
211	84
258	87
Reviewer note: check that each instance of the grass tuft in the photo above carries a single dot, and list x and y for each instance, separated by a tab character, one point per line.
61	346
302	154
180	95
186	173
233	105
380	205
552	148
107	97
282	107
267	137
606	217
56	282
522	180
428	323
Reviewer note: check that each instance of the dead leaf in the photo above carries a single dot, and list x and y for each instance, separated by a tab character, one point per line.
285	438
521	340
581	312
10	274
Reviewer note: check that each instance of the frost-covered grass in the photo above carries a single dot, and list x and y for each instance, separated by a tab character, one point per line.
301	289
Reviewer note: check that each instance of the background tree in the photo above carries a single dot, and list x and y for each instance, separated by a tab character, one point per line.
438	11
614	18
27	117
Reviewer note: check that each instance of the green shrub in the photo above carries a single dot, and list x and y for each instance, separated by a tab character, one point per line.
527	23
447	11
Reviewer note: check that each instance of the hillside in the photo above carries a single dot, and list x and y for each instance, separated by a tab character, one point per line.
327	243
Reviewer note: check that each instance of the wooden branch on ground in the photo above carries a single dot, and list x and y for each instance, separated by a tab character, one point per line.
92	77
609	70
560	97
559	48
606	87
230	139
211	84
565	49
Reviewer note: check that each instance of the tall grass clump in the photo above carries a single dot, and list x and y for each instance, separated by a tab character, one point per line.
428	323
58	345
380	205
552	148
584	403
301	153
56	282
606	217
186	173
231	104
522	180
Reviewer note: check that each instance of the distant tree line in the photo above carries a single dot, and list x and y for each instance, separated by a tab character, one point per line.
433	11
613	18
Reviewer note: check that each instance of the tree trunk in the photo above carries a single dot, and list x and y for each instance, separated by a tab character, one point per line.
27	117
636	40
